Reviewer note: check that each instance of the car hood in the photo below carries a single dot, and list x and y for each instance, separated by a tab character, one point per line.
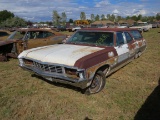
64	54
6	42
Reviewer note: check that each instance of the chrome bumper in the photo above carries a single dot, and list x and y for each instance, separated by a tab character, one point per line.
60	79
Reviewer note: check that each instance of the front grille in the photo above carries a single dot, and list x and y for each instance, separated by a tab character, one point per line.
46	67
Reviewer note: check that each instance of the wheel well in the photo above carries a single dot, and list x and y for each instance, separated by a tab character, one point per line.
105	69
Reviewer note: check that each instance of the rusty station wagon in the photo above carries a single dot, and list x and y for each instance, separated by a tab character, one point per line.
87	58
23	39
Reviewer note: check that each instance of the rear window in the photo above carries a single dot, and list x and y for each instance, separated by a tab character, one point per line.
136	34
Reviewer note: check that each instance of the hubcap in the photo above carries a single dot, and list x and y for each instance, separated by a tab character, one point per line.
96	84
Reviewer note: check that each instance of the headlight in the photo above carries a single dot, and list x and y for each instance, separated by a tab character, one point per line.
74	73
20	62
81	74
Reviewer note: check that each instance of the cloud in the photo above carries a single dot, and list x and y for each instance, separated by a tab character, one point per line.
40	10
102	3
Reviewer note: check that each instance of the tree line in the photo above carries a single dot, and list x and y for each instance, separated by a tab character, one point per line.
8	19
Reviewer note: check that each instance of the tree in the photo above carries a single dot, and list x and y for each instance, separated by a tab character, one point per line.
158	16
83	16
128	17
103	17
14	22
56	18
108	16
139	17
4	15
29	23
112	17
134	18
70	21
119	18
97	17
64	18
92	17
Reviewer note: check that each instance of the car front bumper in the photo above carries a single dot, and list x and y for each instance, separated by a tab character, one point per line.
60	79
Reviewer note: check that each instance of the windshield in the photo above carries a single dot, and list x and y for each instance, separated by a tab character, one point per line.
92	38
16	35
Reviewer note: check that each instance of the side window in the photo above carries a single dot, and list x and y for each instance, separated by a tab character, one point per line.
128	37
40	34
19	35
48	34
136	34
119	39
33	35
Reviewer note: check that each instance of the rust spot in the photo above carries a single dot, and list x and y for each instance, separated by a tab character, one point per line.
84	50
140	44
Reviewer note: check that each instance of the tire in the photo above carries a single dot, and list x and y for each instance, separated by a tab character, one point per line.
136	56
98	83
139	53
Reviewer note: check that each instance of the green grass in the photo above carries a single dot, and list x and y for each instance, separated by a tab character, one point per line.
130	93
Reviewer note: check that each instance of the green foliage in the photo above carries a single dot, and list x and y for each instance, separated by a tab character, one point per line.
158	16
70	21
83	16
4	15
14	22
97	17
92	17
56	18
103	17
64	18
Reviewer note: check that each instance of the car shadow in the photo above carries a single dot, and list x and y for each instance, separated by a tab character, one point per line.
59	84
150	110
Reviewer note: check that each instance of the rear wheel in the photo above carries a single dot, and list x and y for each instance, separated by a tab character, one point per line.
97	84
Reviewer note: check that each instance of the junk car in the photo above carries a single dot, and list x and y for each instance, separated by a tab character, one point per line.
87	58
23	39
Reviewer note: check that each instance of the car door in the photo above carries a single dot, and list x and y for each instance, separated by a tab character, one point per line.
121	48
36	39
131	45
139	41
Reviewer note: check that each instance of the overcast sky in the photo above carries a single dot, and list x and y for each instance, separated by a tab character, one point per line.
41	10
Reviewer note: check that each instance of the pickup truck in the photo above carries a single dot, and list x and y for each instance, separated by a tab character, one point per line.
87	58
142	26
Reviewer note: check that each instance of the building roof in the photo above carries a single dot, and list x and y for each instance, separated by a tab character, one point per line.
103	22
107	29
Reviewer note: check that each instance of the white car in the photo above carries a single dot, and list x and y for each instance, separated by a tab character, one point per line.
76	28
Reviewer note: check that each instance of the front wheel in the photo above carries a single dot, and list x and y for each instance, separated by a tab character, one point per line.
97	84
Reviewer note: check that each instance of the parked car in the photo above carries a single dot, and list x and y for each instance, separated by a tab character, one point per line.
123	25
3	33
73	29
61	28
155	24
142	26
23	39
87	58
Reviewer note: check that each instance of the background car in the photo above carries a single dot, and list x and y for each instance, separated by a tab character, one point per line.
23	39
61	28
155	24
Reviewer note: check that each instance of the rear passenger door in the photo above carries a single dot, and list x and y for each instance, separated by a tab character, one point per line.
121	47
131	45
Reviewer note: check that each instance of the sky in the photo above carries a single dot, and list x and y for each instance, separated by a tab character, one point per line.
42	10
